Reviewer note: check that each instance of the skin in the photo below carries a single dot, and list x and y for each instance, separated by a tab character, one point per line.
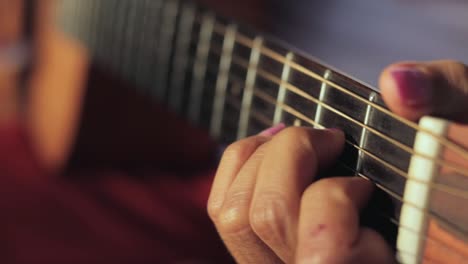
267	206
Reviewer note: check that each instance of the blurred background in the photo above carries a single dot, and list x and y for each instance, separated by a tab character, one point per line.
361	37
358	37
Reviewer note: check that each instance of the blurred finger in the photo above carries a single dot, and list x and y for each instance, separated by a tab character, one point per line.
233	220
232	161
438	88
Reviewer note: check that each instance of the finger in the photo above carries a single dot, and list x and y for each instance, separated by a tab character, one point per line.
292	160
234	156
438	88
233	220
329	230
233	159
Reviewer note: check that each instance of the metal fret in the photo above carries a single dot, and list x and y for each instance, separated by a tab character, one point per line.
106	34
323	92
128	53
166	36
200	66
119	22
181	56
149	21
249	87
364	132
278	116
148	67
222	81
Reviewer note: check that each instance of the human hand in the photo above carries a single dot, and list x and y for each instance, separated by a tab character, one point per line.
266	205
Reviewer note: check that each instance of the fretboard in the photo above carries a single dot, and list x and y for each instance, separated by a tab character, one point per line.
235	82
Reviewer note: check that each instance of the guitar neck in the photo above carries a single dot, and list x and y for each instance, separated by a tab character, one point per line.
235	83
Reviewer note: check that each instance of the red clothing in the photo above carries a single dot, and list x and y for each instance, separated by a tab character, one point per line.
103	216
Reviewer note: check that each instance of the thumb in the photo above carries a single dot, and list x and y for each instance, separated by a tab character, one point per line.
438	88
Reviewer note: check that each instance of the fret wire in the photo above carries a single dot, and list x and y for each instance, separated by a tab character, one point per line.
249	87
278	115
167	31
244	40
321	98
364	132
181	56
144	40
222	80
128	33
200	66
442	187
298	91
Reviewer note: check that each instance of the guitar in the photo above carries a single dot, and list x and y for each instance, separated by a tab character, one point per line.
235	82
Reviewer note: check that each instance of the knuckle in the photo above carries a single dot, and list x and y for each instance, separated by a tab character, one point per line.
457	73
267	217
456	66
327	190
233	218
213	209
296	135
238	151
331	257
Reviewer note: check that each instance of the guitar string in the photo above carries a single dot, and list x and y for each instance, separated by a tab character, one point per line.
246	41
260	117
441	187
270	77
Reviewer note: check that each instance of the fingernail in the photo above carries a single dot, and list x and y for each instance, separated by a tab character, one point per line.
272	130
414	86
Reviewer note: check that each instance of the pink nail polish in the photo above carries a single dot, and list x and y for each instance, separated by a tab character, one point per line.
272	130
414	87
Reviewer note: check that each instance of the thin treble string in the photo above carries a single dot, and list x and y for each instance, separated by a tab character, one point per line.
246	41
442	187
